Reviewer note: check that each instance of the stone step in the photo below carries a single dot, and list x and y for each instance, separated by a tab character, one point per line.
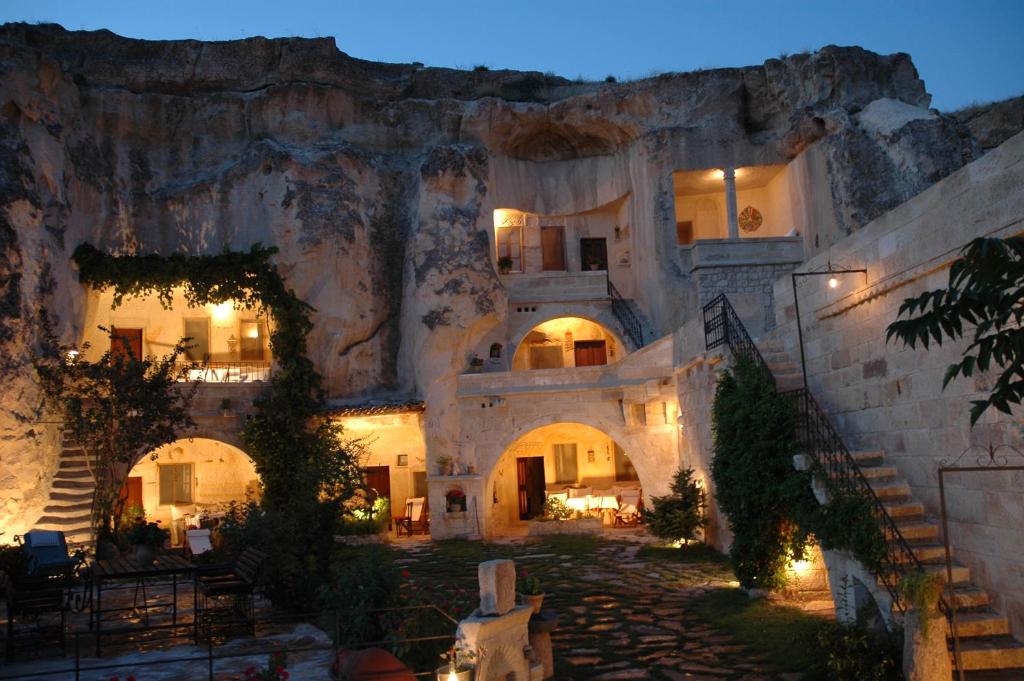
72	496
783	366
928	551
970	596
890	489
789	382
961	573
73	474
68	508
904	509
71	533
918	529
996	652
984	623
73	464
875	472
74	484
866	456
77	520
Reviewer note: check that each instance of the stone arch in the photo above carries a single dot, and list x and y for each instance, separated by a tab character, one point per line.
215	474
602	317
647	469
855	589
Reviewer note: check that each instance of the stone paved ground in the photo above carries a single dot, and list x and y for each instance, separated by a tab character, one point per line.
622	616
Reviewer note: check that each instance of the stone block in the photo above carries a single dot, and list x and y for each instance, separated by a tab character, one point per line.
497	586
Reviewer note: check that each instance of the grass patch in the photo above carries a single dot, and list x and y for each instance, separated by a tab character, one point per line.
569	544
693	553
785	635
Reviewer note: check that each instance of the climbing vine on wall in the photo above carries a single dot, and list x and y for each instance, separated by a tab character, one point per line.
756	485
771	508
297	456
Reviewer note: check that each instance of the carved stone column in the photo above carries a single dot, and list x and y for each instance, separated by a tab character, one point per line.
729	176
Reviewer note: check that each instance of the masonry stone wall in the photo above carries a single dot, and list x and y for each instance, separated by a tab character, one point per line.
749	289
886	396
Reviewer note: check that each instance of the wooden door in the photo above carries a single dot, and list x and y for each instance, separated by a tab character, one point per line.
530	480
131	492
552	241
590	353
123	341
594	254
378	478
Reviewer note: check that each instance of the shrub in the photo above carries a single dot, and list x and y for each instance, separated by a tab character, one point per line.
756	485
678	515
556	509
363	580
852	652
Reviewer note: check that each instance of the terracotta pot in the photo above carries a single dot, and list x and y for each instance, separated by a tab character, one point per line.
444	674
144	554
534	601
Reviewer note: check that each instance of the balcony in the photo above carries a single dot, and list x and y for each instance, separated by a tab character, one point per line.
246	371
553	287
705	253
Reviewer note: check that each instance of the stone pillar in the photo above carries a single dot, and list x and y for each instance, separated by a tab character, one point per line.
729	176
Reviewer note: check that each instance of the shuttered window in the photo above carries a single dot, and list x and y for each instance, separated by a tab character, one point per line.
198	329
175	483
565	463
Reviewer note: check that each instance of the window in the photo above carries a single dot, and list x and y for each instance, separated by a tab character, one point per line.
175	483
419	483
510	245
624	469
198	329
565	462
253	333
403	460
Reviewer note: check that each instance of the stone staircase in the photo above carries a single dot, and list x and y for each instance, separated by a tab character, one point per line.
69	508
985	640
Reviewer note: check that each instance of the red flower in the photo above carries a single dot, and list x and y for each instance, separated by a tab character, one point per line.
406	573
130	677
279	670
284	676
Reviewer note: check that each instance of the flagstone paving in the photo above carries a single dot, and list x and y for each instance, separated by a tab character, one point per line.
621	616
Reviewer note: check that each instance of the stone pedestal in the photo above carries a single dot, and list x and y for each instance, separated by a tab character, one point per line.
925	649
463	524
540	628
500	637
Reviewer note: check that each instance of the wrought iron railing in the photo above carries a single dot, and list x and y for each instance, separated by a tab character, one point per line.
722	326
627	318
830	459
245	371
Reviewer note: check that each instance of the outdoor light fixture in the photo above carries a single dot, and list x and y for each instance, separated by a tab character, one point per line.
833	282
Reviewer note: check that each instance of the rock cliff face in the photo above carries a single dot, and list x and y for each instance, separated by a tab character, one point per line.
377	182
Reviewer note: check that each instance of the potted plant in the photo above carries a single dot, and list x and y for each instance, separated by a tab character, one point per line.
145	539
444	464
504	264
456	500
476	364
225	407
529	588
461	662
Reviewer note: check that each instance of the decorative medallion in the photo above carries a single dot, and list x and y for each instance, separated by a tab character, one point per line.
750	219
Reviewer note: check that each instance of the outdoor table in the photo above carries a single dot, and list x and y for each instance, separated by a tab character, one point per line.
127	568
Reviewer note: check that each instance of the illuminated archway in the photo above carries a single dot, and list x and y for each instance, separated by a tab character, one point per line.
190	478
564	342
551	459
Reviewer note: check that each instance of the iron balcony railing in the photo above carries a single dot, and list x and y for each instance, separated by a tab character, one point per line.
627	318
245	371
831	461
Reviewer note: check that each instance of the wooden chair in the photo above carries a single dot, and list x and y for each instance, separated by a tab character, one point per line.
226	595
629	508
416	518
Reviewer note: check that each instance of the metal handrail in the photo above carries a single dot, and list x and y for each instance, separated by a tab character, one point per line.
624	313
243	371
829	456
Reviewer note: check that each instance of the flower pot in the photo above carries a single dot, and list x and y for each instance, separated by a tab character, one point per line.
534	601
445	674
594	266
144	554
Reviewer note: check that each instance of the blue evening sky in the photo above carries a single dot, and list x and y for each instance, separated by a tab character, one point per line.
966	51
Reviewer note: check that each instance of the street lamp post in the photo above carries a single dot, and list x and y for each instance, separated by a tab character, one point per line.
833	282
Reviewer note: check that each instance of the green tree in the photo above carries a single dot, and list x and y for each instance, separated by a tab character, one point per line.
678	515
118	409
985	291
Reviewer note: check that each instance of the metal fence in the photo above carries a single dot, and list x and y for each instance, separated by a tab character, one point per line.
224	372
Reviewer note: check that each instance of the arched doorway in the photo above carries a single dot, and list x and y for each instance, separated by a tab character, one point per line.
572	459
566	342
188	482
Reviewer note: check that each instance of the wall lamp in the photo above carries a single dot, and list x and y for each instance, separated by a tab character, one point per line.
833	283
